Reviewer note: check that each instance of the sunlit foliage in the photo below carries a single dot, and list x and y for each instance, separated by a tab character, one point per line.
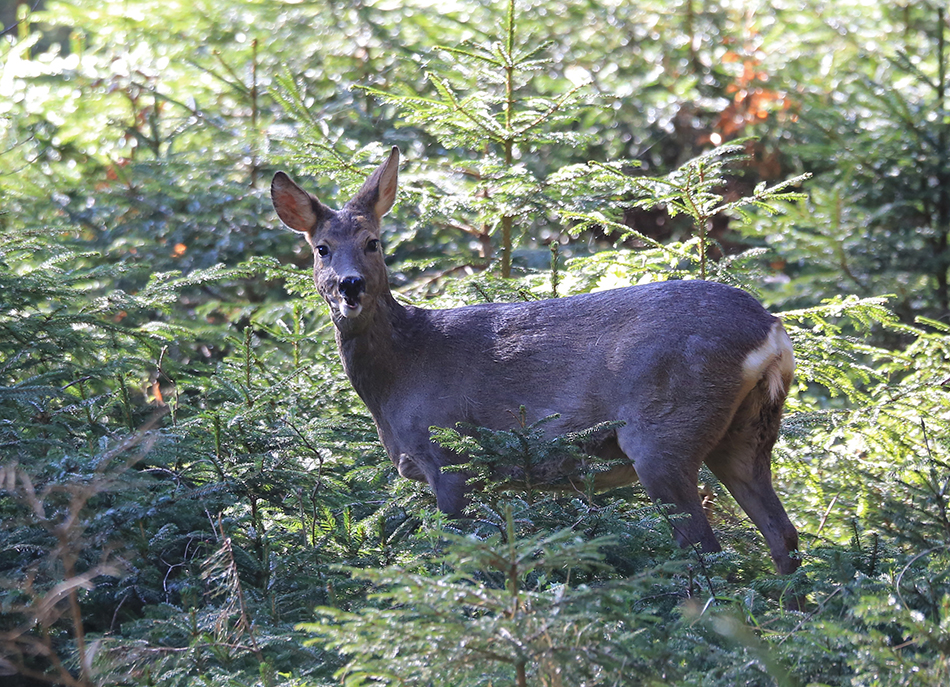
185	473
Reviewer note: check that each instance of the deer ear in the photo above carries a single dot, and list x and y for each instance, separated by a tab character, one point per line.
388	182
379	191
296	208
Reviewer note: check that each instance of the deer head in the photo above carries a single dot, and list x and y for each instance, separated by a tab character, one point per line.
348	262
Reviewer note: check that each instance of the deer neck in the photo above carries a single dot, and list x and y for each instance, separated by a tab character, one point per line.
368	349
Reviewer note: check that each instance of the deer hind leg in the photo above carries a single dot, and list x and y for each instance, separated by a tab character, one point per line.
742	462
669	473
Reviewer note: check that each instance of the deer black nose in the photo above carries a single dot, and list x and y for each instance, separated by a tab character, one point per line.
352	287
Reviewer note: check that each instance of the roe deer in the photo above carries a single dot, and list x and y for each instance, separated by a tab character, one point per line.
696	371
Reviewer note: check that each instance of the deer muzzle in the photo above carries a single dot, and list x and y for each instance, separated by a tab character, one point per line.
351	289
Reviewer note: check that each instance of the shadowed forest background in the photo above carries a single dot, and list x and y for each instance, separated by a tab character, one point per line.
191	493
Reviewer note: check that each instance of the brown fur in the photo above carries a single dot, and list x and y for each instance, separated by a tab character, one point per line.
695	371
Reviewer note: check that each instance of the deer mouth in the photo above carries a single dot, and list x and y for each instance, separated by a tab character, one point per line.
350	307
343	305
351	290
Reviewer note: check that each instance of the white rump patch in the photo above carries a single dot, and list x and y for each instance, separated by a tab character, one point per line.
774	361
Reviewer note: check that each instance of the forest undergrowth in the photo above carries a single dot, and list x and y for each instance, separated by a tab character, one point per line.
191	492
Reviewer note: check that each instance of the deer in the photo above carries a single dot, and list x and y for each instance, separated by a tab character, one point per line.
686	372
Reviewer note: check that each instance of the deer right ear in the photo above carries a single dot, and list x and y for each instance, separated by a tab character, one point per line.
388	180
378	192
296	208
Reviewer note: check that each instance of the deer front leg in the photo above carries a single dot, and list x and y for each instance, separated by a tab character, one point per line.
450	492
407	467
449	487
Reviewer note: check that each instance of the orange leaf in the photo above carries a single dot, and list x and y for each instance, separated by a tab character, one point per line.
157	392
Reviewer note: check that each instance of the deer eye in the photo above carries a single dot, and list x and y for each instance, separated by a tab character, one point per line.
323	251
373	245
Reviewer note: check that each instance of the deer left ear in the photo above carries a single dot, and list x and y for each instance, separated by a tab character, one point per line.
378	192
296	208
